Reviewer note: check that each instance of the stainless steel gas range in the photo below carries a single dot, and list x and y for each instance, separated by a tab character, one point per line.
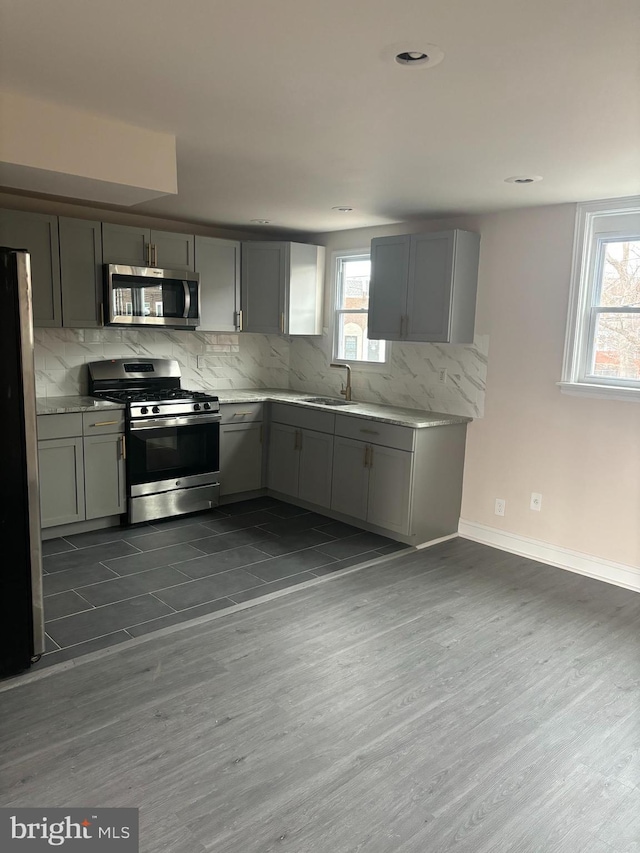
172	436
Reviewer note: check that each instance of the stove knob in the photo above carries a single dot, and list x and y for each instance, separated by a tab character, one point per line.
196	407
144	411
207	405
155	410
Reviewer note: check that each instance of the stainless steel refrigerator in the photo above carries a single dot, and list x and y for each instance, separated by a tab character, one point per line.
21	610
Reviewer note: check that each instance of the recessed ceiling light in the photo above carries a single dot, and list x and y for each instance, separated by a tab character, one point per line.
413	56
261	221
342	209
523	179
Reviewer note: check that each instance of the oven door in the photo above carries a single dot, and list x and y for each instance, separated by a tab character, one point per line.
166	454
146	296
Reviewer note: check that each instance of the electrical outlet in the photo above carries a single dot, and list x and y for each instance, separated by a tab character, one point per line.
501	505
442	376
536	501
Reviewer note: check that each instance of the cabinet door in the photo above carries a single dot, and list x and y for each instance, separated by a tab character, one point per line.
104	475
38	234
173	251
316	465
218	262
388	288
61	481
284	459
240	458
430	287
124	244
389	488
264	267
80	272
350	477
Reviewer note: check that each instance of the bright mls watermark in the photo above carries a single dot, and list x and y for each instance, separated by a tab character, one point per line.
79	830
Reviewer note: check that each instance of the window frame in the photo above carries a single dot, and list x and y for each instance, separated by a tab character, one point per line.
586	275
336	310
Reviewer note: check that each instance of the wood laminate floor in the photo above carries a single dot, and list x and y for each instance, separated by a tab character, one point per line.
454	699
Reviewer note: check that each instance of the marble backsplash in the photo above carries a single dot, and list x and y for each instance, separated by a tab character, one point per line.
222	361
208	361
410	379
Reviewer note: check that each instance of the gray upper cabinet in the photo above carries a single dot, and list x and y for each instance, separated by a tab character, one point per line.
282	286
218	264
423	287
123	244
38	234
80	272
388	298
145	247
172	251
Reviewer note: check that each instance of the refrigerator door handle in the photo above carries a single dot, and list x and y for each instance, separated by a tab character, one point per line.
31	449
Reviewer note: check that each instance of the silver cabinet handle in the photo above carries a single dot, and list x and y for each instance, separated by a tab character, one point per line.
240	320
370	431
123	447
241	414
105	423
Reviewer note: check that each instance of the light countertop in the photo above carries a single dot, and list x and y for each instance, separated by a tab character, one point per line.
370	411
67	405
413	418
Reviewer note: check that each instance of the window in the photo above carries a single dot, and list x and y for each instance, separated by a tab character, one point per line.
350	341
602	352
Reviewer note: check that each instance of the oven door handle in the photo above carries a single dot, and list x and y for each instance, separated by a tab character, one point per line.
160	423
187	299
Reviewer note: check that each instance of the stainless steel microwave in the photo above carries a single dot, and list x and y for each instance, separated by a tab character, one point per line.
147	296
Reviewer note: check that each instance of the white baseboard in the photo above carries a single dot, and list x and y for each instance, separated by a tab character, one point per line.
618	574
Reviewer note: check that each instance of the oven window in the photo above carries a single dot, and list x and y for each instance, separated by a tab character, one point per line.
173	452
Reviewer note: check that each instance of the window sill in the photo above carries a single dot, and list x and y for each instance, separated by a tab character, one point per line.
609	392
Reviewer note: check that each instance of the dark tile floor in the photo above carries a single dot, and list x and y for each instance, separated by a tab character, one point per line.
107	586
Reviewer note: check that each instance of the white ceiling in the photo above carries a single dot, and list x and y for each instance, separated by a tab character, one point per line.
286	108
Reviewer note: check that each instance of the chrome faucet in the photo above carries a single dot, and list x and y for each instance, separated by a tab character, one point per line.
346	389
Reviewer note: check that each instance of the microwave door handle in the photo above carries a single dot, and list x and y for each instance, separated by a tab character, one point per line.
187	299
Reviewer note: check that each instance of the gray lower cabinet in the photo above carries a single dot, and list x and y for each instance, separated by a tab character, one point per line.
373	483
389	497
81	272
350	489
61	468
218	264
240	458
284	459
81	461
316	463
38	234
104	475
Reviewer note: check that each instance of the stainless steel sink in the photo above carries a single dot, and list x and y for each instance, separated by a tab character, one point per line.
326	401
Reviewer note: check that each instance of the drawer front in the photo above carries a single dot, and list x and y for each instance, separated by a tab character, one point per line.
241	413
304	418
374	432
101	423
59	426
